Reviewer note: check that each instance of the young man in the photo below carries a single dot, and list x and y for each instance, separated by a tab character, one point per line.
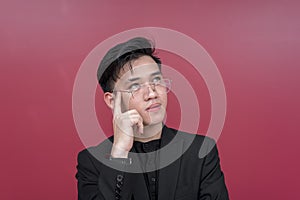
144	159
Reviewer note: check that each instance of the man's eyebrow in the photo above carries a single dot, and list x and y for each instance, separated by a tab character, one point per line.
156	73
133	79
137	78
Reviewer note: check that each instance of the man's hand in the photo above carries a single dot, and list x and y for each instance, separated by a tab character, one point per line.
124	125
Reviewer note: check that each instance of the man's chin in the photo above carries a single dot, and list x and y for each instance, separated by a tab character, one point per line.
154	118
152	122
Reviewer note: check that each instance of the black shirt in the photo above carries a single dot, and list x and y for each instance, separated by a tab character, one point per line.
149	161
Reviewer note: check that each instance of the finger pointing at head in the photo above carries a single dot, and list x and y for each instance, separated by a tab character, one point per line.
117	104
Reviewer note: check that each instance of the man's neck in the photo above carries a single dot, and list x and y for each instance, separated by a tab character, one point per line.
151	132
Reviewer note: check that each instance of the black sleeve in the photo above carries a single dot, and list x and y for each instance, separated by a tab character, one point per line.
212	185
99	182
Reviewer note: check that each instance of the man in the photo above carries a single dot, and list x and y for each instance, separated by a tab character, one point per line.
144	159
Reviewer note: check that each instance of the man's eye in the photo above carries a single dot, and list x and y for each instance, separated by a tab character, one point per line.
156	79
135	86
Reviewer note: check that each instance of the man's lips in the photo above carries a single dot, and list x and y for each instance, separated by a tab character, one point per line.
153	107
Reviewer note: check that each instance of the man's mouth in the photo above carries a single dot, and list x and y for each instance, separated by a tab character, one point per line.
153	107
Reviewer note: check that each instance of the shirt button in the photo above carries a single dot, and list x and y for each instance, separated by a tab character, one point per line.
153	179
146	147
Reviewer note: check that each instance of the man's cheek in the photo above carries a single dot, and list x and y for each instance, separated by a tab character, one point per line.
132	104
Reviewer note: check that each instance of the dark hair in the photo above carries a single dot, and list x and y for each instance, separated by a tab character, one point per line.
121	54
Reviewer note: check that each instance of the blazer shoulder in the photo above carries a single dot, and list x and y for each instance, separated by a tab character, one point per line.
194	143
198	138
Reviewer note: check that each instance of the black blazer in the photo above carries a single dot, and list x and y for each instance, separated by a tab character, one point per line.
187	178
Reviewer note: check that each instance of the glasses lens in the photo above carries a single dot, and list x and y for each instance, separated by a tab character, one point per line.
165	84
161	87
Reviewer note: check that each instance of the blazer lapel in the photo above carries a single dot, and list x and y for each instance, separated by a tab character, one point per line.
172	148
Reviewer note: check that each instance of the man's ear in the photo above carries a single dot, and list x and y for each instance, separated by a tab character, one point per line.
109	99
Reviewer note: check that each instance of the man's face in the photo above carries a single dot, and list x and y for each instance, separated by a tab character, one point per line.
150	101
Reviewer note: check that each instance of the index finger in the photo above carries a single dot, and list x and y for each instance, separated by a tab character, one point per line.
117	103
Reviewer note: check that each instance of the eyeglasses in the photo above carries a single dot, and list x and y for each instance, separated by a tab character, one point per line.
159	85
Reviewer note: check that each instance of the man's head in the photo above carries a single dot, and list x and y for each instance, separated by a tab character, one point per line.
129	66
115	59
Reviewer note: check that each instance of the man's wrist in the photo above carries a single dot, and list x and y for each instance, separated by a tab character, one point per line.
118	152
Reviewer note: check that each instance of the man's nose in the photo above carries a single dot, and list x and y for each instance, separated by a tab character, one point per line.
150	91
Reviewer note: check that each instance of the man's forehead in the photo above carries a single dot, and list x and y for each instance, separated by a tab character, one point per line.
139	71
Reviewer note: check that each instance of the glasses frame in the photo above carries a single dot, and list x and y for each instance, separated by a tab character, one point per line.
151	84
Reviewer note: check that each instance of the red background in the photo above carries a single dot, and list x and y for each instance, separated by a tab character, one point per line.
255	45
